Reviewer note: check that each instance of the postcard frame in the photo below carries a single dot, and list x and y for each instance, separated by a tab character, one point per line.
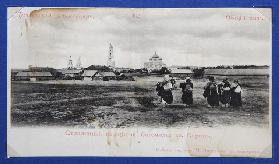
138	4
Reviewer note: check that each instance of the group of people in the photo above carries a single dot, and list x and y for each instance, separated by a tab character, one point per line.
224	93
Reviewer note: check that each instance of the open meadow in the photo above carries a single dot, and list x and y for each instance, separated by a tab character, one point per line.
120	104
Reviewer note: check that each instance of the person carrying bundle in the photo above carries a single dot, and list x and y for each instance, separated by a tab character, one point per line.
173	82
236	91
166	94
159	89
187	92
224	92
211	92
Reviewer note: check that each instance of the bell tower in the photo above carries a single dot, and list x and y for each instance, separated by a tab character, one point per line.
110	62
70	63
78	65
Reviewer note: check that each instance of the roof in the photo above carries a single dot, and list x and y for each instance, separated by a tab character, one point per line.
182	67
18	70
237	72
89	73
34	74
123	68
129	74
69	71
181	71
108	74
105	74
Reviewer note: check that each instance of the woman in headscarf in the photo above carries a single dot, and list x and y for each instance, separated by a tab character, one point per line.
187	92
211	92
160	90
167	97
173	82
224	92
236	94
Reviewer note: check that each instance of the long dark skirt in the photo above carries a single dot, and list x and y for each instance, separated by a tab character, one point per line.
187	98
167	96
225	97
236	99
213	100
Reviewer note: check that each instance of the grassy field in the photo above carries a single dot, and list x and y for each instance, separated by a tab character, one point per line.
116	104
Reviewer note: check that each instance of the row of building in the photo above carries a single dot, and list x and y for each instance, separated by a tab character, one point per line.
74	74
111	72
77	72
35	75
89	75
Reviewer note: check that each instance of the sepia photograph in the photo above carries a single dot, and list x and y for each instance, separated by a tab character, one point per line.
139	82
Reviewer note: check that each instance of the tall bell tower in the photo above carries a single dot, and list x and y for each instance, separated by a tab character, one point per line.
78	65
110	62
70	63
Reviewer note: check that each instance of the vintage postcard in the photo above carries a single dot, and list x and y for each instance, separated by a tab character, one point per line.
153	82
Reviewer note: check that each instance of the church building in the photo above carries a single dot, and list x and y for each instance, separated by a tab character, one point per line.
154	63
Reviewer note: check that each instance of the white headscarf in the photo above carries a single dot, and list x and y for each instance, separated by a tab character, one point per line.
166	78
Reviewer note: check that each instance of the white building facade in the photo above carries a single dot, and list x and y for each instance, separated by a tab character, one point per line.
154	63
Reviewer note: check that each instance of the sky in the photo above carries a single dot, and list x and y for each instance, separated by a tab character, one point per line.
184	37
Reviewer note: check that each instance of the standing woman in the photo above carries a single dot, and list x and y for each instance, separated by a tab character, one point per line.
224	92
187	92
173	82
167	97
160	90
236	94
211	92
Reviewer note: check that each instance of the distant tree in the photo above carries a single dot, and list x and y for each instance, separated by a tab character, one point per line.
186	67
117	73
124	71
144	70
138	70
102	68
198	72
131	71
220	67
58	75
164	70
